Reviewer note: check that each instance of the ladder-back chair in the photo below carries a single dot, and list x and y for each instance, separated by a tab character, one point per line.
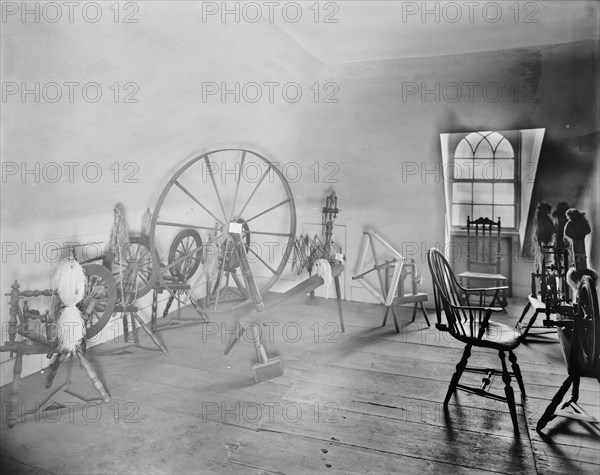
471	325
484	255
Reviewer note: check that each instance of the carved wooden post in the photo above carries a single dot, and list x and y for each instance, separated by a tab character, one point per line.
13	312
13	416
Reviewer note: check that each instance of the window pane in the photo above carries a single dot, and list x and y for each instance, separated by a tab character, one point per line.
461	192
483	169
480	211
463	169
503	169
484	150
504	193
494	138
459	214
482	193
463	150
507	213
504	149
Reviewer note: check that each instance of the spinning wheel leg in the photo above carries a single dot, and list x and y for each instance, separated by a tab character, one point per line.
12	416
155	340
338	296
556	400
93	376
54	369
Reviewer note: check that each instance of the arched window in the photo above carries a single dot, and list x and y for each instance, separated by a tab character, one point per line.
484	179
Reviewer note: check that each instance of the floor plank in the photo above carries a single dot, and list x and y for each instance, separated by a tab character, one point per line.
365	401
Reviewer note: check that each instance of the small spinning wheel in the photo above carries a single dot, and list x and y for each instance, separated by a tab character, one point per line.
99	301
134	267
195	211
186	241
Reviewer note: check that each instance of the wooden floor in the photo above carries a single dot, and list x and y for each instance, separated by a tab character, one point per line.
369	400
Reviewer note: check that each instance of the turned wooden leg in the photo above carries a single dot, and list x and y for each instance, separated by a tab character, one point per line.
53	369
425	314
414	312
387	311
517	370
556	400
460	368
338	296
125	327
93	376
154	310
508	390
149	333
12	416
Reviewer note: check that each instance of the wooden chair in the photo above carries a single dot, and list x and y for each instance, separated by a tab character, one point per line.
471	324
484	255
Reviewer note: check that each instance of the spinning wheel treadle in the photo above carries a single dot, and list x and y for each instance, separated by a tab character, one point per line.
195	210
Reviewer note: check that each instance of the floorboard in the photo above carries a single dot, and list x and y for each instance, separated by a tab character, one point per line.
369	400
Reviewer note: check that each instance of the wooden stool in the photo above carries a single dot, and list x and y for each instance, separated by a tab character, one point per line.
403	298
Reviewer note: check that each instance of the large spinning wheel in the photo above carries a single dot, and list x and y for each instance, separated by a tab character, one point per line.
207	195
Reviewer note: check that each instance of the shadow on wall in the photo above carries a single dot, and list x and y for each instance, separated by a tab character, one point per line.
565	172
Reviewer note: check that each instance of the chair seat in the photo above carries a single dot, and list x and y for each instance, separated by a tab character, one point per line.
497	335
481	275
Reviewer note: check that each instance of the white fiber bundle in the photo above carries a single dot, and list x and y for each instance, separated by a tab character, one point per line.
324	271
69	282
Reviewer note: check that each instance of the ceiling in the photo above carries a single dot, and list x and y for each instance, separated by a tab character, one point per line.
386	30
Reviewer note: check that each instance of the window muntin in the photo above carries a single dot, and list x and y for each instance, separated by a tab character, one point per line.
483	179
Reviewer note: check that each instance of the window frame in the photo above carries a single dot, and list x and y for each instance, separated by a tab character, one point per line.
515	180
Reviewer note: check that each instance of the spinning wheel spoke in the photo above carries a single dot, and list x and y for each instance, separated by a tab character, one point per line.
183	225
268	210
265	233
212	177
237	184
262	178
187	192
261	260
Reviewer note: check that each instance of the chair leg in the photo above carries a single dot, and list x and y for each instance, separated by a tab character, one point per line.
460	368
517	371
508	390
414	312
425	314
531	320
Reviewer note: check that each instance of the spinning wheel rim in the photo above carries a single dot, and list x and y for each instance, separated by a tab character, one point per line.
100	285
195	258
589	323
224	217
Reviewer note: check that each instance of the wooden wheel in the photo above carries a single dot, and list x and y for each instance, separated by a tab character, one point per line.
100	298
186	241
135	267
208	194
588	337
